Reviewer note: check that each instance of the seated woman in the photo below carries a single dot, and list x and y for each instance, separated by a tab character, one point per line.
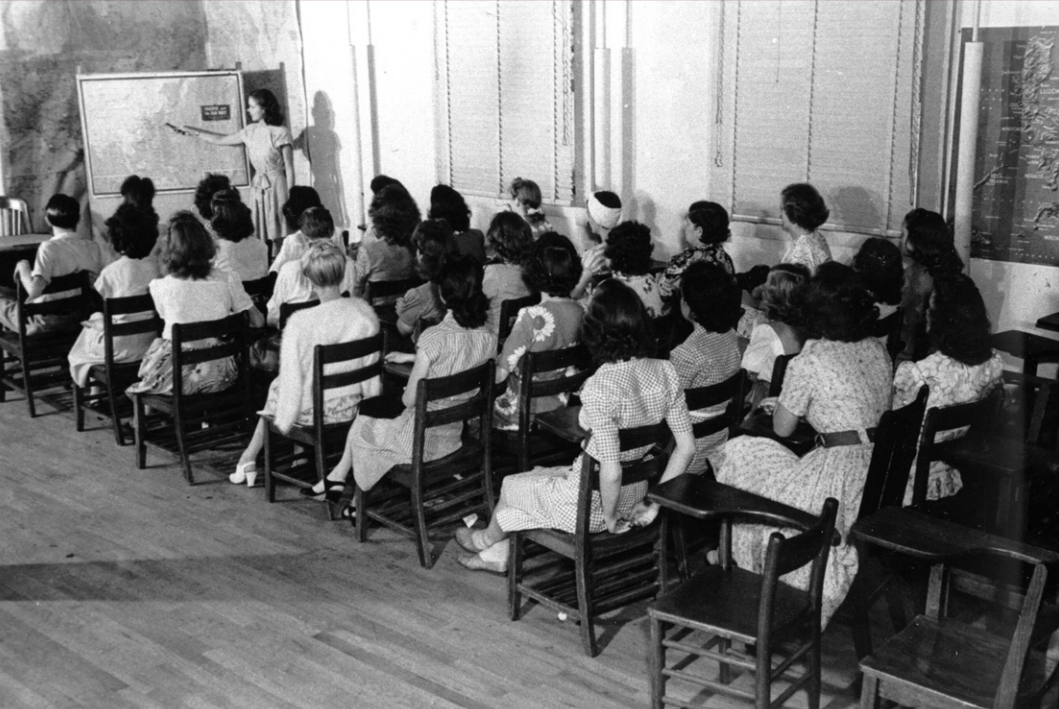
840	383
628	253
459	343
781	333
237	249
629	389
555	323
526	201
705	230
963	368
295	244
133	233
803	212
929	247
710	300
335	320
291	284
208	186
193	291
448	204
389	256
511	240
879	264
434	244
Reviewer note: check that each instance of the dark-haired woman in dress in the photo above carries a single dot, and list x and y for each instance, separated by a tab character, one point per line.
840	383
963	367
705	230
459	343
802	212
629	389
628	252
448	204
928	245
270	148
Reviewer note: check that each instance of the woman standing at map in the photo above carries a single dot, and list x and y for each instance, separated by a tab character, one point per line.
268	143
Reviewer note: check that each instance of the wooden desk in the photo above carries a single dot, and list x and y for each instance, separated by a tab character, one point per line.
705	499
563	423
759	424
1049	322
14	249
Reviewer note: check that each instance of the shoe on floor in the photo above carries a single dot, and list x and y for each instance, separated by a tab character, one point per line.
466	538
477	563
242	472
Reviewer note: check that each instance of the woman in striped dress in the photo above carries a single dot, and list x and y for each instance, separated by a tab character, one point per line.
460	342
627	390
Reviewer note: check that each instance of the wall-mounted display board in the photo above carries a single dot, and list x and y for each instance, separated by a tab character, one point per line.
129	122
1015	215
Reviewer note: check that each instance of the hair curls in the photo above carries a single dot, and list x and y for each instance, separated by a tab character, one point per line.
837	306
629	249
133	231
958	322
511	237
929	242
232	219
190	250
434	243
553	267
781	295
804	206
299	198
394	215
712	218
460	286
879	264
273	112
448	204
207	187
616	327
712	295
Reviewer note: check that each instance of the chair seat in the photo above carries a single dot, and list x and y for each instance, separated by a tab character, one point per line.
193	402
714	599
466	457
949	659
123	371
604	544
43	341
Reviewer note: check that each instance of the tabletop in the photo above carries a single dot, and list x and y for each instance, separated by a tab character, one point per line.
703	498
1049	322
21	242
563	423
922	536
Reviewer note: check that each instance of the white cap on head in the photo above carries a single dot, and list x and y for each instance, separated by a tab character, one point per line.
606	217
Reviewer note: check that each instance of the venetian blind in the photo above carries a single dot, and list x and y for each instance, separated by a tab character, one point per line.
504	73
826	93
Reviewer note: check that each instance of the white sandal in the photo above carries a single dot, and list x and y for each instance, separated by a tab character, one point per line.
244	473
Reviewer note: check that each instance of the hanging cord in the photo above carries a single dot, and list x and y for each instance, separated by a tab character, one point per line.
718	119
917	104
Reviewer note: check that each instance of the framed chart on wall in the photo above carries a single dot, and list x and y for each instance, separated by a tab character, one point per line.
132	124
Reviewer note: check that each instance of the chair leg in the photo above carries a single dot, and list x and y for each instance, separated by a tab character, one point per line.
725	673
514	576
657	661
270	482
814	683
584	604
361	498
185	457
426	551
869	689
680	549
28	383
320	462
115	418
79	408
139	430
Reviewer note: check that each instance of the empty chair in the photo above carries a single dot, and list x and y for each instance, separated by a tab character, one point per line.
14	216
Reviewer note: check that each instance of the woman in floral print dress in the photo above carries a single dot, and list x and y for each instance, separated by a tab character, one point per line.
628	252
554	324
840	383
706	230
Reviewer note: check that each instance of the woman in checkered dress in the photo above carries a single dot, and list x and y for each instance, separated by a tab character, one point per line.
628	390
460	342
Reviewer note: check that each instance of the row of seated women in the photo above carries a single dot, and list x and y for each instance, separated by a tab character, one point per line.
840	383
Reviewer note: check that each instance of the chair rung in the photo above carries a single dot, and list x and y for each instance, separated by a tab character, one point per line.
789	691
571	610
623	599
731	659
709	684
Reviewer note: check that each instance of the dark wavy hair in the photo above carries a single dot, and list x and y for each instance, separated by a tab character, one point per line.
299	198
804	206
837	306
879	264
448	204
959	326
133	231
460	287
189	252
712	295
528	194
616	327
273	112
207	187
435	243
138	191
553	266
231	220
781	298
712	218
63	211
381	182
929	242
629	248
511	237
316	223
395	215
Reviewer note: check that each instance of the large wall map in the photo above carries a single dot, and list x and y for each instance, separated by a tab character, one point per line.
1016	200
126	129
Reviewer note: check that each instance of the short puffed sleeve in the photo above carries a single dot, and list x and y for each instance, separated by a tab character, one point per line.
799	383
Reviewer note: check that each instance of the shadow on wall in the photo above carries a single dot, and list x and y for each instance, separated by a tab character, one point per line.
854	207
322	146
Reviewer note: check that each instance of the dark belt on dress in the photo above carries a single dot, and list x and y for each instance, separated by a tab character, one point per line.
845	438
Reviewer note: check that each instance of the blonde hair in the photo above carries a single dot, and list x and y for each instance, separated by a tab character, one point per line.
325	264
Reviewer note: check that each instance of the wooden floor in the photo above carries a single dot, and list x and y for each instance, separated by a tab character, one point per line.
128	588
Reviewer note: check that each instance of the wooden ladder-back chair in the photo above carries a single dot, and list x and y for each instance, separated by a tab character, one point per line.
609	570
14	216
112	378
260	290
31	363
423	495
564	371
288	309
939	661
724	603
896	438
181	424
509	310
759	423
379	293
326	439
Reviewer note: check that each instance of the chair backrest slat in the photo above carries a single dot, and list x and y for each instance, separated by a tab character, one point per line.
381	290
730	392
288	309
779	371
896	438
329	355
230	332
130	305
509	310
14	216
